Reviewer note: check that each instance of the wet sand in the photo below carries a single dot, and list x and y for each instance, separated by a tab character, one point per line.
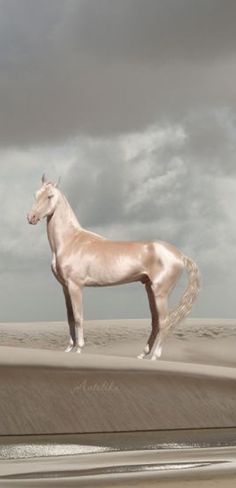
173	458
144	467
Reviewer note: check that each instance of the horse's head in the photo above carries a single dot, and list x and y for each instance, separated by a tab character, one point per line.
46	201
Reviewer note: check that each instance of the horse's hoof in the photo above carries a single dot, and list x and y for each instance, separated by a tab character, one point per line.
141	356
78	350
69	348
153	358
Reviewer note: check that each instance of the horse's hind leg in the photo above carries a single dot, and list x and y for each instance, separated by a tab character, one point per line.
154	313
162	307
162	287
71	321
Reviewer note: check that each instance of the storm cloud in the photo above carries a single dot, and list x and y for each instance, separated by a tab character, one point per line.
133	104
105	67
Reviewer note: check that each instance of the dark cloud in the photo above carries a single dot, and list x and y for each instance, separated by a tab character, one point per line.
155	30
107	66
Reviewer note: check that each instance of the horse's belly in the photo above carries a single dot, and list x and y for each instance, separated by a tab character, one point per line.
108	274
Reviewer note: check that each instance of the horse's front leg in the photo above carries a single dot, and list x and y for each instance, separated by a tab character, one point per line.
75	293
69	309
71	320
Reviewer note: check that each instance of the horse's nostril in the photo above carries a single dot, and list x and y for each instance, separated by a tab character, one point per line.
31	218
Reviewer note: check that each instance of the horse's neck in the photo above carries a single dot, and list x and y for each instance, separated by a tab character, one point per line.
61	225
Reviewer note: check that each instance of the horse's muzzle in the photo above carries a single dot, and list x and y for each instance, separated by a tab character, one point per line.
32	219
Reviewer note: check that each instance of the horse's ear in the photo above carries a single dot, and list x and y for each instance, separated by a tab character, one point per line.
44	179
57	184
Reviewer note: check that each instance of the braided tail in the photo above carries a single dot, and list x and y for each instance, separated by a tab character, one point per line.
189	295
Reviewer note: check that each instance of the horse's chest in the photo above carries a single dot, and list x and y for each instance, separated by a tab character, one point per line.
57	269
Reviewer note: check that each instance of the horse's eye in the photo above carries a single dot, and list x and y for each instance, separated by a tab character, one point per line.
50	196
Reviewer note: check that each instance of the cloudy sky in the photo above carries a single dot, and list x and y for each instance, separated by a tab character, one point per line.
133	104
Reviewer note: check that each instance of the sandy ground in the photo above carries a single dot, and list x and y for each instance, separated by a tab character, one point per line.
191	388
205	341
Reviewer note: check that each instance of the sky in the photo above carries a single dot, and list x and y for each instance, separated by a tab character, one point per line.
133	104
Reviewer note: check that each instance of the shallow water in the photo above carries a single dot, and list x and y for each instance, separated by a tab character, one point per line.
22	447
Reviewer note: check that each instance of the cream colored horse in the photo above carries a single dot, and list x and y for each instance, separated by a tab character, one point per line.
82	258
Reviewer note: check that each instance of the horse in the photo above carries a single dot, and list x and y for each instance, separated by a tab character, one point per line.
82	258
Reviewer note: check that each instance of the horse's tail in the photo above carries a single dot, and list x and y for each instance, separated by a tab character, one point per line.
189	295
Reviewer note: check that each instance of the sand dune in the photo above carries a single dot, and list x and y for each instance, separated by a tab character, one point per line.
205	341
108	393
106	389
